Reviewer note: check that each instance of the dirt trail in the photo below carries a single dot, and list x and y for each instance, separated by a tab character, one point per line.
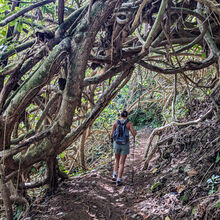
95	196
175	187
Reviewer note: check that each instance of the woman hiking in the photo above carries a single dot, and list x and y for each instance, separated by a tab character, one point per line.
120	138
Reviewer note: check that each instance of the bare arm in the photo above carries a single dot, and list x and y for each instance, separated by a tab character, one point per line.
131	128
113	129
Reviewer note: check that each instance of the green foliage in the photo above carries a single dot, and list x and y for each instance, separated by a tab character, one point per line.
217	158
110	113
61	163
217	204
18	212
213	182
19	26
147	117
33	170
48	9
43	170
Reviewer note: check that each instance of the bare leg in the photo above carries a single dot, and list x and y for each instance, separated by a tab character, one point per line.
121	165
117	159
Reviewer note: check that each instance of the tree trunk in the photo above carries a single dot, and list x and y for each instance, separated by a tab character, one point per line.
52	173
5	195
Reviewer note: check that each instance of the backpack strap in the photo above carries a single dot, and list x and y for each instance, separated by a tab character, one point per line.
126	121
118	122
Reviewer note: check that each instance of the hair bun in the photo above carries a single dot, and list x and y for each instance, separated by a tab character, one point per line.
124	114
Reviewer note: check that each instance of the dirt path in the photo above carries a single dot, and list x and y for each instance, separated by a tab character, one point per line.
175	187
94	196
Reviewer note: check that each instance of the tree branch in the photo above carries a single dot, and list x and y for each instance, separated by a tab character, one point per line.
23	11
17	49
20	147
60	11
103	101
156	25
158	131
204	23
190	65
212	4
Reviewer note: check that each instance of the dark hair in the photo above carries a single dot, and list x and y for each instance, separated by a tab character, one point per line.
124	114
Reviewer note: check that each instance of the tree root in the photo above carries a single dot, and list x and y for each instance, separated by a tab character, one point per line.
18	200
158	132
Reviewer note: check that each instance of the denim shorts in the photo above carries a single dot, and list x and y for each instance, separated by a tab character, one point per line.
121	149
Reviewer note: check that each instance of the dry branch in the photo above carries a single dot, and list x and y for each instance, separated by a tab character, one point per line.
158	131
212	4
55	97
33	185
137	17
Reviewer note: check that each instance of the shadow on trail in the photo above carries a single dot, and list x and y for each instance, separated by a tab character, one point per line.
95	196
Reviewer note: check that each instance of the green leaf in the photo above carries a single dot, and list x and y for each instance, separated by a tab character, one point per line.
33	170
154	186
217	158
62	155
203	55
217	204
4	32
209	91
12	23
19	26
198	49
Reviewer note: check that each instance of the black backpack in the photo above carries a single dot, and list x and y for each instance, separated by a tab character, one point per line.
121	134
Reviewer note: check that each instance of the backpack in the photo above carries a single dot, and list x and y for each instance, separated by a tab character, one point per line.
121	134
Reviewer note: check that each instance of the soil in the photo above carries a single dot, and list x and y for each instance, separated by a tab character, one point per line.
174	187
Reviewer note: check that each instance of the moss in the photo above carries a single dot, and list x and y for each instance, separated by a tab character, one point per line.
38	78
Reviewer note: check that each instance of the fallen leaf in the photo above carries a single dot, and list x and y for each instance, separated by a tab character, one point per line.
167	218
154	170
145	217
180	188
192	172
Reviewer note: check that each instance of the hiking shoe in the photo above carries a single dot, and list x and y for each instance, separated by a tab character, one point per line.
119	183
114	179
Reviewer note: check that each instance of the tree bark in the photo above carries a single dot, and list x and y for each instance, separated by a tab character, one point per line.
52	168
60	11
5	195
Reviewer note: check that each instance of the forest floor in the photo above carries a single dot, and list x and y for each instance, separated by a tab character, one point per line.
169	189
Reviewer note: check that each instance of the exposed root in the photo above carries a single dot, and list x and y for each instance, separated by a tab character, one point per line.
158	131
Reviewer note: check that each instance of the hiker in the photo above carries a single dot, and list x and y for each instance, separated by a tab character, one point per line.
120	138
